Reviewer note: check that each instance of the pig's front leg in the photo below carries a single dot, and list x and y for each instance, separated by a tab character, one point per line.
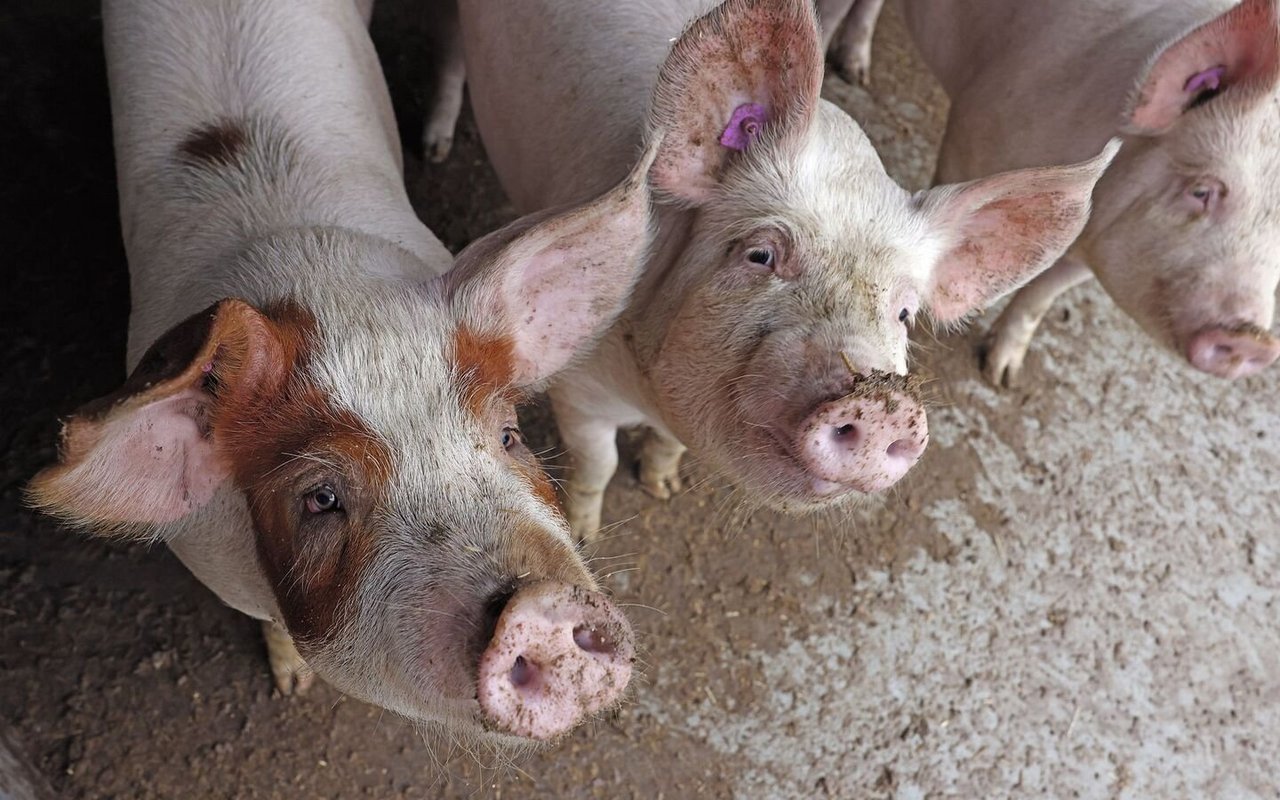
660	464
291	672
592	444
851	53
450	80
1011	334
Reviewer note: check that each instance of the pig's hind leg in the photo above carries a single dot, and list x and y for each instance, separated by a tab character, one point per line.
660	464
290	671
450	82
1010	336
851	52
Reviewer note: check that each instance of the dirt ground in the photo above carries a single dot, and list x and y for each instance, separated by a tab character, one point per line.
1074	595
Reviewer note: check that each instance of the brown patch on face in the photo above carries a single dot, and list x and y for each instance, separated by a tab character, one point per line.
284	437
485	366
216	143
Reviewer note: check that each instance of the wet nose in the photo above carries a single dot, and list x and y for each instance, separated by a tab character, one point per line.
867	441
559	654
1232	353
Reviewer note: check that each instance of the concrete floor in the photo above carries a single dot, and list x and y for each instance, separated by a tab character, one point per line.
1074	595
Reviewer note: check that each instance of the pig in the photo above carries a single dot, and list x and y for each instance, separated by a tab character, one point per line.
320	420
847	29
1185	235
769	332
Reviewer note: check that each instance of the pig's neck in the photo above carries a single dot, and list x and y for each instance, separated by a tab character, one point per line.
225	135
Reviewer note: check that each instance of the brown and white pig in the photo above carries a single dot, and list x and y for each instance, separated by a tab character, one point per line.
1185	233
769	332
320	422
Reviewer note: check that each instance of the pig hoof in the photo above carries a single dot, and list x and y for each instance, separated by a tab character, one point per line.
853	67
660	483
584	517
1002	362
437	146
291	673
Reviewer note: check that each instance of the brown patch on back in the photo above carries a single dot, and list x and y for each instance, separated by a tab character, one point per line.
216	143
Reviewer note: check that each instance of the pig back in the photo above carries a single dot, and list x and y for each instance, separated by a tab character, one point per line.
560	88
1039	83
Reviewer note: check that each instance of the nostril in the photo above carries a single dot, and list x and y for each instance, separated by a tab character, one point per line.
594	640
847	436
902	448
524	675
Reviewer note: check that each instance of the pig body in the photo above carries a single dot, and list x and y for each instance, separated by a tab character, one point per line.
320	422
769	331
1184	234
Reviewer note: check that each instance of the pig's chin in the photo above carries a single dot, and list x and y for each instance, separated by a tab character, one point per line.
779	481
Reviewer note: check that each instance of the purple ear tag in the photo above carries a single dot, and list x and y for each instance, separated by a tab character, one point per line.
744	126
1210	79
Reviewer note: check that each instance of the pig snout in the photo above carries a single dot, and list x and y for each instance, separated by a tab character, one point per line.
558	654
866	440
1232	352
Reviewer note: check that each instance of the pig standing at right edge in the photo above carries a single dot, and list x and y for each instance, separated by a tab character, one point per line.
1184	235
769	330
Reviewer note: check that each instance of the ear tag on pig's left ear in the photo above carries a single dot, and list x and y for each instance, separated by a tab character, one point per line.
744	126
1208	81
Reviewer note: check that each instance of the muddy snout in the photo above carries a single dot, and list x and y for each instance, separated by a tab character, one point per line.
867	439
559	653
1232	352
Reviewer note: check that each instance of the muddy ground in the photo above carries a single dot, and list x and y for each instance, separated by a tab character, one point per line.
1074	595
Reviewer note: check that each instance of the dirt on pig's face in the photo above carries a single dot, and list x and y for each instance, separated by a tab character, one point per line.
796	287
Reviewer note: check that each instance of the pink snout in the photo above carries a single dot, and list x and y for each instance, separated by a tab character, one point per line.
866	441
559	653
1232	353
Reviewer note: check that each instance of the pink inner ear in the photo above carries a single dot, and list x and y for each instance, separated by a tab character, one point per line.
1210	79
744	126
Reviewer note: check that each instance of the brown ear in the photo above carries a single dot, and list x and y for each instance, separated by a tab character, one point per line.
546	286
747	69
1242	46
145	454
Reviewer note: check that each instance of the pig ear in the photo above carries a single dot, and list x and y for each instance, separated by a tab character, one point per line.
747	69
548	285
1000	232
145	455
1239	47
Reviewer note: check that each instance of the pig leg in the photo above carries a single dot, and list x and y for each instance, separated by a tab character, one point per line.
592	445
830	14
291	673
851	53
660	464
1011	334
451	78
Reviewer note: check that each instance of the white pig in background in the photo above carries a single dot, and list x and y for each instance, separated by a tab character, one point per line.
330	444
1185	233
769	332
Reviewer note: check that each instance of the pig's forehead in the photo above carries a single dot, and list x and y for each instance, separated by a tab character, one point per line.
1239	135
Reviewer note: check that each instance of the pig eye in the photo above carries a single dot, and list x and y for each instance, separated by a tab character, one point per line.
511	438
1204	194
762	256
323	500
904	316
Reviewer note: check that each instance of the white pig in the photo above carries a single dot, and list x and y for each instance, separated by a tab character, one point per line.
1185	235
769	332
320	422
